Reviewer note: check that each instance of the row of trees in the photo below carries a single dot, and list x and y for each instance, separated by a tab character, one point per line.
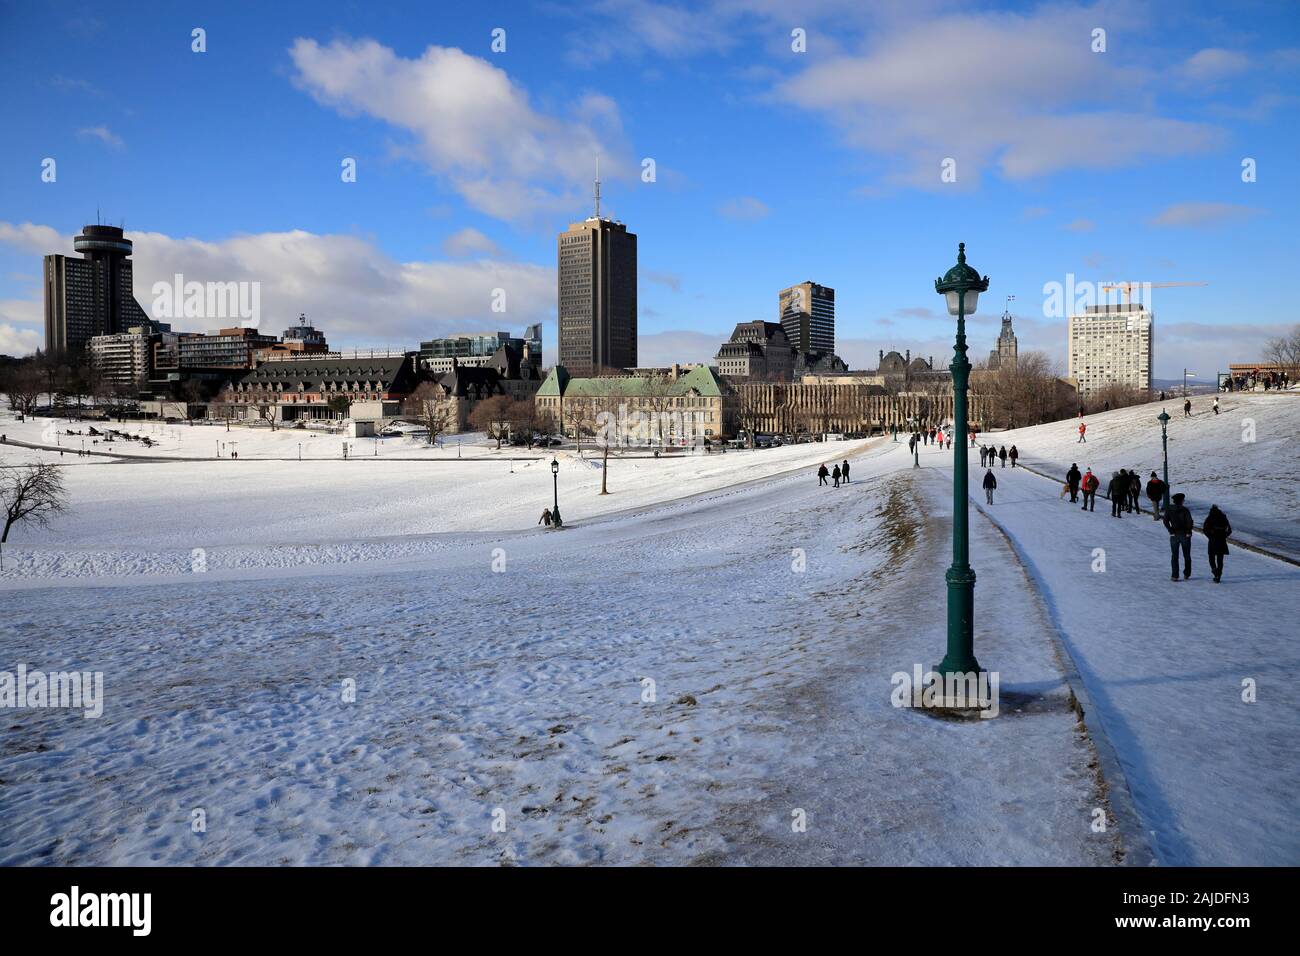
498	417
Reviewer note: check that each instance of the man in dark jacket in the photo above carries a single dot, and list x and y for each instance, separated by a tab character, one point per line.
984	456
844	470
1117	492
1002	453
1135	491
1217	529
989	484
822	474
1156	493
1179	523
1013	455
1072	478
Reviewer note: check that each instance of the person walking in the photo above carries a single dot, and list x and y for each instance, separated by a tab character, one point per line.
1072	479
984	456
1083	427
822	474
1013	455
835	476
1156	495
1117	492
1216	406
545	518
1187	408
1090	485
1002	453
844	470
1135	492
1179	523
990	483
1217	529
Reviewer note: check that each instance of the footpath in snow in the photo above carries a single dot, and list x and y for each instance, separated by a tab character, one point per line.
1168	666
1244	459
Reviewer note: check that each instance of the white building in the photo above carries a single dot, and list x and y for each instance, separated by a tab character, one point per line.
1111	345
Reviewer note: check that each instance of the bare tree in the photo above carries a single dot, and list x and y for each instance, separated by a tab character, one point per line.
493	417
428	406
1285	352
24	388
32	494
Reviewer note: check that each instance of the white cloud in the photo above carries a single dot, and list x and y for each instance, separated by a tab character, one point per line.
469	242
349	288
1081	225
103	134
1022	92
1202	214
1210	65
471	123
743	209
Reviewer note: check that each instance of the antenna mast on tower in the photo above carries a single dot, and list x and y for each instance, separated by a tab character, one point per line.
598	186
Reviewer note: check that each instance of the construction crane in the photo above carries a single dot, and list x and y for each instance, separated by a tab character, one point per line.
1126	288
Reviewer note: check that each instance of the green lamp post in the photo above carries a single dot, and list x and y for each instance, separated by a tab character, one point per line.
555	486
1163	417
961	286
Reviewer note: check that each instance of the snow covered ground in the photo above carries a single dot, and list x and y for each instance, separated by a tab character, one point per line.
227	604
131	516
1243	459
518	695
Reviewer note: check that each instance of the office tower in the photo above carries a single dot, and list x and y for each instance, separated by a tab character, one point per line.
92	295
597	295
1112	345
807	313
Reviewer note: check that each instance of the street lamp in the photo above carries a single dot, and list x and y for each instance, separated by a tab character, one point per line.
961	286
1163	418
555	484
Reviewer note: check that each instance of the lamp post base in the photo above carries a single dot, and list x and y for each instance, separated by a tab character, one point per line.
960	658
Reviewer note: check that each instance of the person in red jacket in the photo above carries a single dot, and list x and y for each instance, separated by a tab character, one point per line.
1090	485
1083	427
1156	492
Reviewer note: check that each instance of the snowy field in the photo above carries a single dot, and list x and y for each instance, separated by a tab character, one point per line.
132	516
501	670
1243	459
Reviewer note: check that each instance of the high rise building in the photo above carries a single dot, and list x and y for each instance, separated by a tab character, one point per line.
597	295
92	295
807	313
1007	353
1111	345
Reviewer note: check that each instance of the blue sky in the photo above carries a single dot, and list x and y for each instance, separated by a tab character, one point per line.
771	166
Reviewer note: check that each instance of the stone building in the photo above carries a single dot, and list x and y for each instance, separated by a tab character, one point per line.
679	406
846	407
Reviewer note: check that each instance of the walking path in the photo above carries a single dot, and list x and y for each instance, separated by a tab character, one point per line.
1213	776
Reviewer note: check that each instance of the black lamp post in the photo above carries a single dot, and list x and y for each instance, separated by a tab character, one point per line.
961	286
1163	418
555	484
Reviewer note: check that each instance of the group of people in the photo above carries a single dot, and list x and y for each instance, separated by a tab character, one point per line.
838	474
932	436
1125	493
1257	378
989	455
